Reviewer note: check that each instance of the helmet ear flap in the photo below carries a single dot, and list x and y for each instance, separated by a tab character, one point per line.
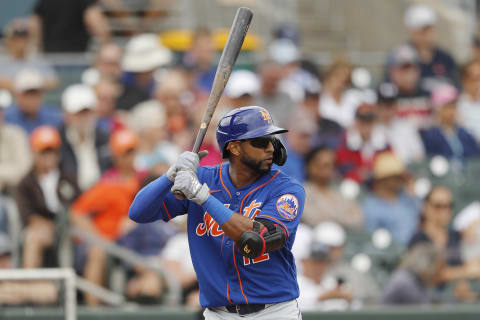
280	153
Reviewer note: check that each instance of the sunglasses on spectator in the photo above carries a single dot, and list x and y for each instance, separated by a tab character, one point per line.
439	205
261	142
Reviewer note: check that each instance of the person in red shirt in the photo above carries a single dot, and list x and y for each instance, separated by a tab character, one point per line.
360	144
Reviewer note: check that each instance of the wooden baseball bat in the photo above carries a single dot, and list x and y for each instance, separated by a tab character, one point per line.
235	39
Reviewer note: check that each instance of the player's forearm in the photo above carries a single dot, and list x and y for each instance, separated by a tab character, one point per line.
232	223
147	203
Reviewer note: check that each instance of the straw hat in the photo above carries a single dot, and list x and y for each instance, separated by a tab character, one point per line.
386	165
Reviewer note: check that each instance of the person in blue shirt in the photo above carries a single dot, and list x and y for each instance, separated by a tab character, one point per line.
389	206
28	111
242	219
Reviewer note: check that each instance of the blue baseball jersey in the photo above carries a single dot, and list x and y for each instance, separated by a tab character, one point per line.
226	277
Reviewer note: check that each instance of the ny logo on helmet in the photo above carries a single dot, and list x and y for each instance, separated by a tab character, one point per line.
265	116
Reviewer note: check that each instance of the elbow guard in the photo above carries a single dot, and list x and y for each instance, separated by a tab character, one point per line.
266	236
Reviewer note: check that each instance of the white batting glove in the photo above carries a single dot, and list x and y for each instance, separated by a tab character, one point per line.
187	183
186	161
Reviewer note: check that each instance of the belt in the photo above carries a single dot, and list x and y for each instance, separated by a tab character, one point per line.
244	309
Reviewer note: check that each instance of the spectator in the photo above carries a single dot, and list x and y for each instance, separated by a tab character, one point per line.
317	291
340	276
435	229
20	56
108	61
103	209
144	54
172	92
329	131
388	205
200	60
324	203
418	272
412	101
156	153
85	152
337	102
469	100
42	195
403	137
107	92
241	89
299	141
436	65
71	30
447	138
279	103
28	111
359	145
15	157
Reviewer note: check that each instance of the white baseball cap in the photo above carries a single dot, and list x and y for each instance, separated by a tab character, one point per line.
29	79
284	51
78	97
419	16
145	53
330	234
242	82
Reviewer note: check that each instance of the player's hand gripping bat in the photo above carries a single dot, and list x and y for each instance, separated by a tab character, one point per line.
239	29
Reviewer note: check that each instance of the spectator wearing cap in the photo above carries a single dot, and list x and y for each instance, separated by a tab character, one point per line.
388	205
103	209
20	56
280	104
144	54
71	30
401	134
298	141
359	145
447	138
42	195
242	87
155	152
85	151
324	202
469	101
436	65
28	110
337	102
413	102
15	157
124	147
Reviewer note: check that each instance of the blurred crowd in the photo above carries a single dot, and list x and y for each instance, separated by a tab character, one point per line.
376	229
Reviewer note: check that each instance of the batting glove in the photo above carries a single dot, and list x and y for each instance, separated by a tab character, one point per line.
186	182
187	161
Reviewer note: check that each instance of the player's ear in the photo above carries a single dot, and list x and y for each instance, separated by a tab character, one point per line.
234	148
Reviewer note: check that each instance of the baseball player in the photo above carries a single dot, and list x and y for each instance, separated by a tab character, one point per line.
242	219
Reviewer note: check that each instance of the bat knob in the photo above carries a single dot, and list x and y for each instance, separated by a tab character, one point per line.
179	195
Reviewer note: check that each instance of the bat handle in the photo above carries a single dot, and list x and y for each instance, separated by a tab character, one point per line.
179	195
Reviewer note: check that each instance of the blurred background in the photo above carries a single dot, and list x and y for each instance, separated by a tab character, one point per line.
382	100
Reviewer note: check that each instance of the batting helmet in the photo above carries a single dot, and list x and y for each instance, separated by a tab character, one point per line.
247	123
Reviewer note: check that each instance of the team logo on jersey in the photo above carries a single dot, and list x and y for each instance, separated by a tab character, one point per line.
287	206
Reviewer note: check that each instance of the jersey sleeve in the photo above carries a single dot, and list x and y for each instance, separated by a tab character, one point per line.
285	207
155	202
